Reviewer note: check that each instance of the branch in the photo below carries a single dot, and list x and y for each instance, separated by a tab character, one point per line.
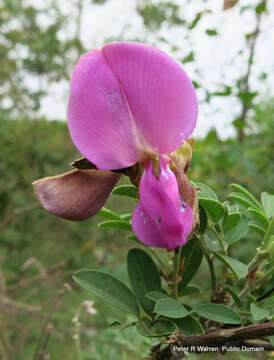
5	300
4	345
17	212
220	340
234	335
47	327
266	295
27	282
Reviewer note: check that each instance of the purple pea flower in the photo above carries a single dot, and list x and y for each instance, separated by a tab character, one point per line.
129	104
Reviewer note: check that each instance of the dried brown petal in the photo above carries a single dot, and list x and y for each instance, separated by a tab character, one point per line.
75	195
187	191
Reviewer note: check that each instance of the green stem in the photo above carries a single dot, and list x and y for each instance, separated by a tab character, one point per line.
249	285
255	262
270	272
210	262
244	291
176	269
261	251
220	240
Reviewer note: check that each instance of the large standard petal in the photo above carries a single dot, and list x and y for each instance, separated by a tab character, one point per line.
75	195
160	95
99	119
129	102
161	219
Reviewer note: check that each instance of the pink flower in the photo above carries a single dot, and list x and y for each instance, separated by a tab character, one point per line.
131	103
161	219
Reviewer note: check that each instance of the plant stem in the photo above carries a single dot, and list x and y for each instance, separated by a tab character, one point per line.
78	341
249	336
4	346
270	272
220	240
254	262
47	327
257	282
176	268
244	291
210	265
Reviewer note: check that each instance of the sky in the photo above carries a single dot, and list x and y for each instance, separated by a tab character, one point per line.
216	60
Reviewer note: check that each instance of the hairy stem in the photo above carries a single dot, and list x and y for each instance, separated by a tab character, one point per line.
176	268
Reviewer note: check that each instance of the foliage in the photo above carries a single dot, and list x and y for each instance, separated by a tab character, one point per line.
38	253
31	50
44	148
243	163
159	293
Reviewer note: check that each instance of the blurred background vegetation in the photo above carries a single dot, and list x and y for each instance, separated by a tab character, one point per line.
39	44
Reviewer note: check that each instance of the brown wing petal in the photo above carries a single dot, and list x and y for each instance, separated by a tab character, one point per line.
75	195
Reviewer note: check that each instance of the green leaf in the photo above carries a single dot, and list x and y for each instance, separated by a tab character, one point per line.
205	191
269	303
238	268
189	326
108	288
196	84
268	204
134	238
107	214
195	21
237	233
240	189
170	308
247	96
144	277
211	32
241	199
271	339
261	7
211	241
257	312
234	295
203	219
188	58
257	228
189	290
217	312
115	224
156	296
192	255
126	190
233	208
259	215
162	327
231	221
213	207
126	217
227	90
269	233
143	328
